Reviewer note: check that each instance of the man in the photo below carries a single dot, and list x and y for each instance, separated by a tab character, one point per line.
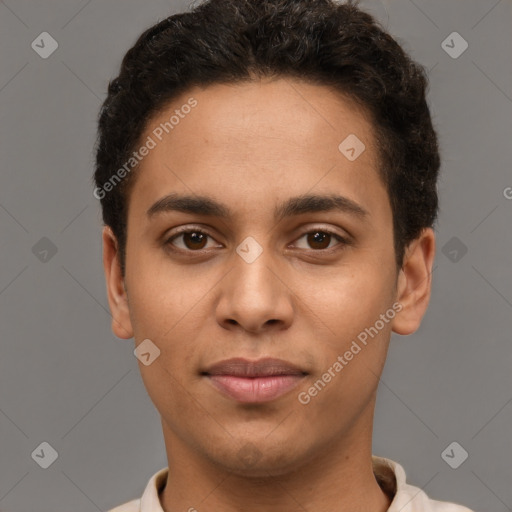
267	175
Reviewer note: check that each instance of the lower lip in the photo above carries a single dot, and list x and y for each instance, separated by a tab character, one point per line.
256	389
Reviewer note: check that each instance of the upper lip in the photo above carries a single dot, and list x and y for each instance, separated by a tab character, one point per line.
266	367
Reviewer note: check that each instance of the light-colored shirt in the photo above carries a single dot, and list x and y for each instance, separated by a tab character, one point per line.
389	474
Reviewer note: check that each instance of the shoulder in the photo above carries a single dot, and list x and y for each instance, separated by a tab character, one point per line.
419	500
131	506
446	506
150	501
407	497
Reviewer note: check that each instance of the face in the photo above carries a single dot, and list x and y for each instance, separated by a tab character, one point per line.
285	252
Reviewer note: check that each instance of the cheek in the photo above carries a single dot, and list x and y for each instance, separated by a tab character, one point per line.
348	313
167	305
161	296
351	353
347	298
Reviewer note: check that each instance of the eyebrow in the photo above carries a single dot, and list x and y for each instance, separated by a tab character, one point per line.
307	203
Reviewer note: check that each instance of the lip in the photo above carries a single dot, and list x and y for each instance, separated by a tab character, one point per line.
254	381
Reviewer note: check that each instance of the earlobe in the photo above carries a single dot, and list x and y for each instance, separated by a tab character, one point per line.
116	292
414	283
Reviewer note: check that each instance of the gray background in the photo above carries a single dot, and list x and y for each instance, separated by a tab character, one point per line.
65	379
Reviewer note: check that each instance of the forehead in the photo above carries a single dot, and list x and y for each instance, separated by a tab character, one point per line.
278	114
261	141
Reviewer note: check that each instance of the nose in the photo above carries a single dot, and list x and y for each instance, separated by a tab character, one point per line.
255	296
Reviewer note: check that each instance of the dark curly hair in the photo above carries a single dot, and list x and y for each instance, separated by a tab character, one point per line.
319	41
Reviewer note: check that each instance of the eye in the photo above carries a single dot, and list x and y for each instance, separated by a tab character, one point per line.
196	240
192	240
320	239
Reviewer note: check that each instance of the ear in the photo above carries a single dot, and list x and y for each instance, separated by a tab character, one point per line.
117	298
414	283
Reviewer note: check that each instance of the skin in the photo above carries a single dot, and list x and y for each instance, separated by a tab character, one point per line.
252	146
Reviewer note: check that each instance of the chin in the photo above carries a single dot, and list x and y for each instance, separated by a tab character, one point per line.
257	459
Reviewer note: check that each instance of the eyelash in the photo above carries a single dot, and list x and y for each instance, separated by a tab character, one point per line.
342	241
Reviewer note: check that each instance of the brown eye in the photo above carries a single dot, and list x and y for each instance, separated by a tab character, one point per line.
191	240
194	239
320	239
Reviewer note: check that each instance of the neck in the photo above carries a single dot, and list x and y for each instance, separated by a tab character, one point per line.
337	478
